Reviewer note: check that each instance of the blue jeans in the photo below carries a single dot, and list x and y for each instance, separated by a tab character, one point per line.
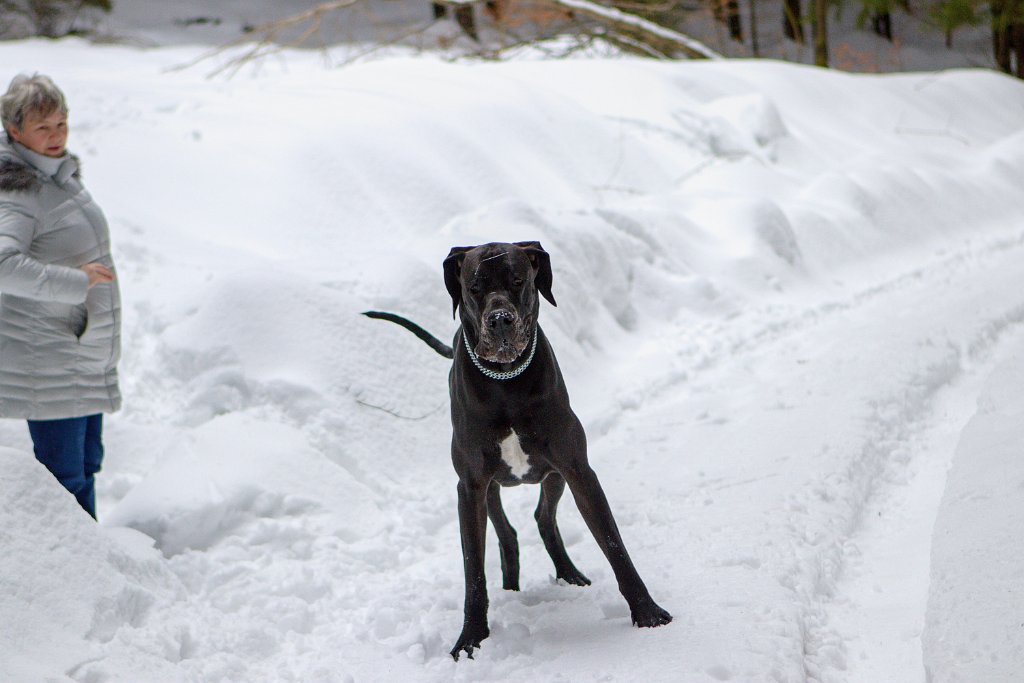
72	450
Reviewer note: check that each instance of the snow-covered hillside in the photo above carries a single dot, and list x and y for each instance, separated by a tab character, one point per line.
780	292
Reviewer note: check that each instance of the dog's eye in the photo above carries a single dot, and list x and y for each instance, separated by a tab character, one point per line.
474	288
518	282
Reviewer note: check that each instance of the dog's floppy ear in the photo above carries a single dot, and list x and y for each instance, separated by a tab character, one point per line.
541	262
452	270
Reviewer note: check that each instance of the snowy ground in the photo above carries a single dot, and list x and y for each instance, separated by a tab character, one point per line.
973	623
781	291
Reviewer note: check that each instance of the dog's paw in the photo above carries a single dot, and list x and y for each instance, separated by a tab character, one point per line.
649	615
572	576
469	640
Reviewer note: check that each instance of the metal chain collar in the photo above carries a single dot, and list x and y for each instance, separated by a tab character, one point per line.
493	374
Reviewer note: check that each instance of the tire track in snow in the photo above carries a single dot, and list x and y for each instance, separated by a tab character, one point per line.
879	364
898	424
879	601
888	477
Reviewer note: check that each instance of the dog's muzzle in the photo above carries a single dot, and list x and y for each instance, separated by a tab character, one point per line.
503	336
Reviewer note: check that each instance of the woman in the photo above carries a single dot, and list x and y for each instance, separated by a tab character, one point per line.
60	311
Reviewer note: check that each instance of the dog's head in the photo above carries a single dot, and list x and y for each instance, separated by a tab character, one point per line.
495	286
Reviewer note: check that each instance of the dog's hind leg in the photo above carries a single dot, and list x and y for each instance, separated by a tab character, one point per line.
508	542
551	490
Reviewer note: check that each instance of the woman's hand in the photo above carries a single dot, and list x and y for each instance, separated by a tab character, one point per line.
98	274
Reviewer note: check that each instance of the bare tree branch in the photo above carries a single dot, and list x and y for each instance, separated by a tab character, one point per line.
268	37
613	25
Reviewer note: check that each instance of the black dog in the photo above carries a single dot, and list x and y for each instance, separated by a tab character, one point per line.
512	424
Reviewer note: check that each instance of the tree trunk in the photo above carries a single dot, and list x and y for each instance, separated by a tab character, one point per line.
497	9
820	32
1001	47
792	26
466	20
1018	47
755	48
1000	35
464	16
728	12
882	25
732	14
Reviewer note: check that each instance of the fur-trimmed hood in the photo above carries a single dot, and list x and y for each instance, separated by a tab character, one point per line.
17	177
17	174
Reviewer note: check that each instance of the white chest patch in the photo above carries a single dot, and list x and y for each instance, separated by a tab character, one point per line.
513	455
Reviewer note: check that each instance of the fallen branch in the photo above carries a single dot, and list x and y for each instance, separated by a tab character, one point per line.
659	38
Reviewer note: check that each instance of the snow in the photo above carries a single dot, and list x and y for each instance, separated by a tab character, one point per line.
780	292
974	607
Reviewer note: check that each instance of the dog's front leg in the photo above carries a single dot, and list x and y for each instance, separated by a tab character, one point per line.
596	512
473	527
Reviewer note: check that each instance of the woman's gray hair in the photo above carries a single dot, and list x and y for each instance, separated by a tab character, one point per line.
36	94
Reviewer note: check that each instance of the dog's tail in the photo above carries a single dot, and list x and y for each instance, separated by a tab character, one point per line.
431	341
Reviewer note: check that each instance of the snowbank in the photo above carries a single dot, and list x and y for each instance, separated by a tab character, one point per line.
69	585
974	631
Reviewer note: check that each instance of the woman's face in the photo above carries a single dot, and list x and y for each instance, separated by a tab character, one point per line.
44	135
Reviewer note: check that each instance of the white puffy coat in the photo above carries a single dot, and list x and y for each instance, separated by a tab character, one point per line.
59	340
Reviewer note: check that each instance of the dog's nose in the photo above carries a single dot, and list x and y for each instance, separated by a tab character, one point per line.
501	320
